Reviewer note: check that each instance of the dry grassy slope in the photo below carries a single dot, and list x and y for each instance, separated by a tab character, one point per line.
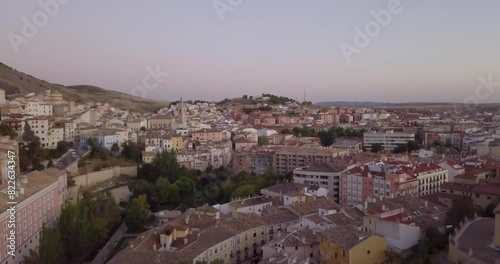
15	82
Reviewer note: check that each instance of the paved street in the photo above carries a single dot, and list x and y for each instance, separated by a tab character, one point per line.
68	158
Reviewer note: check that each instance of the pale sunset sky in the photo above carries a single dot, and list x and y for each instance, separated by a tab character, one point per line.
428	51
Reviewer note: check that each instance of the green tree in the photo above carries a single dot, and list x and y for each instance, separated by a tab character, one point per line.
62	147
286	131
115	148
50	164
461	208
50	248
245	190
263	140
143	128
327	138
29	135
412	145
131	150
6	130
137	213
94	147
162	189
490	208
80	231
376	148
403	148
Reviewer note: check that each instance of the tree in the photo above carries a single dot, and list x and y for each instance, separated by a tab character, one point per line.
28	134
137	213
62	147
263	140
412	145
143	128
403	148
131	150
327	138
94	146
376	148
490	208
80	231
50	248
245	190
115	148
50	164
286	131
436	143
6	130
162	189
461	208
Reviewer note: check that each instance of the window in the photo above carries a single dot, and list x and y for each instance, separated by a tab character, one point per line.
368	252
296	248
343	252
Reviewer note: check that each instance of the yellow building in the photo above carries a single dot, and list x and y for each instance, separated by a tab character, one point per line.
177	142
347	246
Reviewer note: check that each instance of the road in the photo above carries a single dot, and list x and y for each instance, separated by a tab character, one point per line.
65	160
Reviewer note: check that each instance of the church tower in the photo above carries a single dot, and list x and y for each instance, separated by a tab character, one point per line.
182	113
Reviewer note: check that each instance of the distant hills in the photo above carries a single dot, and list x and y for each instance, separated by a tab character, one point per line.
396	105
16	82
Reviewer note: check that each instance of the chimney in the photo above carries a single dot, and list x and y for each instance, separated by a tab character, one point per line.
383	208
425	204
185	241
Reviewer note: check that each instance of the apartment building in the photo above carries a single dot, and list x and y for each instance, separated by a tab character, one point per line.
106	138
40	126
430	178
205	135
373	180
325	174
70	134
36	108
286	159
55	134
40	196
388	139
261	160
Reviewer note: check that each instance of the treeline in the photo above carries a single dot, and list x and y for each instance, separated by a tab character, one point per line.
82	229
260	108
274	99
167	185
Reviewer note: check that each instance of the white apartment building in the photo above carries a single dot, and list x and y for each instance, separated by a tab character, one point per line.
69	131
430	177
388	139
40	126
325	175
36	108
56	134
105	138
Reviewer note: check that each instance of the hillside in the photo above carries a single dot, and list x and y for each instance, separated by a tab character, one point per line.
15	82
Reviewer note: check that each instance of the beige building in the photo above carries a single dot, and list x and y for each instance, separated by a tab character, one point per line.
288	158
160	121
205	135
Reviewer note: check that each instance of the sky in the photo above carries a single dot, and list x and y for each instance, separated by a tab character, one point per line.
210	50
